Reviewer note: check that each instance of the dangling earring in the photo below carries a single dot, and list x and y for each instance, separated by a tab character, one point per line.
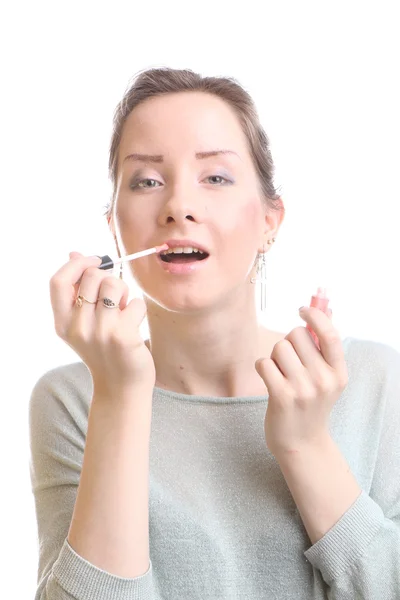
119	256
262	279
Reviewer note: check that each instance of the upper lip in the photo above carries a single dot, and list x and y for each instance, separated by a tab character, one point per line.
186	243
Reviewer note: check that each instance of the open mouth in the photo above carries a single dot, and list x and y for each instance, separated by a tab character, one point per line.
184	257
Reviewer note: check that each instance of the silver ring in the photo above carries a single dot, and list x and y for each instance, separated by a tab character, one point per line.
108	303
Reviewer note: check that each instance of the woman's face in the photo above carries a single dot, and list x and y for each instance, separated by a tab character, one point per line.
214	201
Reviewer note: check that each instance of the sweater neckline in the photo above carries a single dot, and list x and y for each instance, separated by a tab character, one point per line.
171	395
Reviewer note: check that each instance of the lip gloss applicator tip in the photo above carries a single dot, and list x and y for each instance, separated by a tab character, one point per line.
162	248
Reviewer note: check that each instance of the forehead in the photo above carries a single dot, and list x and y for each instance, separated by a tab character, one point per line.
189	118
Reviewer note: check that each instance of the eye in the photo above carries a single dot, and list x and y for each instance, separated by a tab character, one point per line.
136	184
219	177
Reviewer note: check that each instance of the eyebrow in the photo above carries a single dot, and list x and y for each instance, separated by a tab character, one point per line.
158	158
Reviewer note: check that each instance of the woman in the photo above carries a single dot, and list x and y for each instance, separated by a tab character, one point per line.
152	474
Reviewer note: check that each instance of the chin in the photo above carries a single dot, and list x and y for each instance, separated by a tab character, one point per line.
184	304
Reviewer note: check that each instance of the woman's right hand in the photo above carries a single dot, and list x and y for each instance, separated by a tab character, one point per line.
107	339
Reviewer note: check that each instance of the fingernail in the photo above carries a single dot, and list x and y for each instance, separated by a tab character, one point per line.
302	308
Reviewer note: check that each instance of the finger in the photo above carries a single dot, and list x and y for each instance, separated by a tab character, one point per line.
329	338
133	315
63	285
272	376
84	316
138	308
78	255
116	290
73	255
286	356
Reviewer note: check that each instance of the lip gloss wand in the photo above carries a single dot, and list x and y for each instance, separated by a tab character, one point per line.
108	263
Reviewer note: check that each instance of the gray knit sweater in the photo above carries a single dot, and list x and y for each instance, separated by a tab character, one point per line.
223	524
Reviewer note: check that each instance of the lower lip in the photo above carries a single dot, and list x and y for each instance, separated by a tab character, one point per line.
182	268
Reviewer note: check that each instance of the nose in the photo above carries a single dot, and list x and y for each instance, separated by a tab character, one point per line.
179	206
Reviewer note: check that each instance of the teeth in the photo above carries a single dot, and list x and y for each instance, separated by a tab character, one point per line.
186	250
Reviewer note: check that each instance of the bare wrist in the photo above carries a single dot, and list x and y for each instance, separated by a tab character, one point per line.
121	393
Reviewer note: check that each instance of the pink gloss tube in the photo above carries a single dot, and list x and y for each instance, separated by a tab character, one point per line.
321	301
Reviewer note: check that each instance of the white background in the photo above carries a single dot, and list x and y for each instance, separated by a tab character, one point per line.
325	79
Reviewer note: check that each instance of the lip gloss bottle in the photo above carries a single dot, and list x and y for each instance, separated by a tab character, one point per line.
319	300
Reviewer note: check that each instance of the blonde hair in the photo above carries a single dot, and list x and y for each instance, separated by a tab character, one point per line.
158	82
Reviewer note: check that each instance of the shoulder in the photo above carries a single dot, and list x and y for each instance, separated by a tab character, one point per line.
373	378
64	389
71	377
371	356
58	421
372	393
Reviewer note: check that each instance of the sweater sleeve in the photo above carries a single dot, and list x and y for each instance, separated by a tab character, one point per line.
359	557
58	414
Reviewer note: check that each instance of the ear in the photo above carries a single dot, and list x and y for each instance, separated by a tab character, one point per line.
110	222
272	221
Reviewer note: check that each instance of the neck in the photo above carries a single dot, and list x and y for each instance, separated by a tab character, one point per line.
209	353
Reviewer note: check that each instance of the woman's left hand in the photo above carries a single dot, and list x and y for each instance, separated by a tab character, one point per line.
303	383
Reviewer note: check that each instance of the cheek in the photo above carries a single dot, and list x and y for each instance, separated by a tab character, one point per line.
244	224
236	231
251	212
244	233
135	234
130	222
